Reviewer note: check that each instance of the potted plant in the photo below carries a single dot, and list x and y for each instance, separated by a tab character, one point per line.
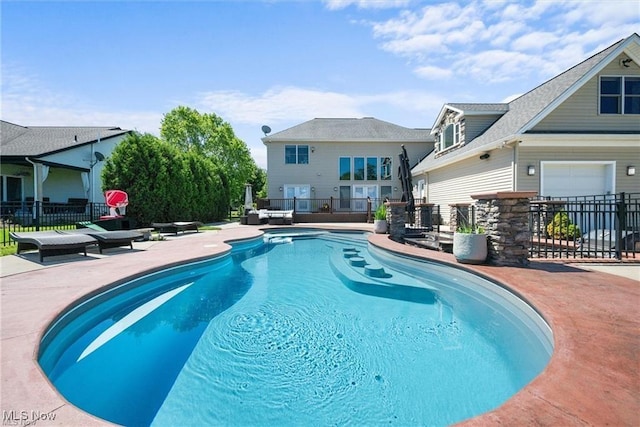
380	220
470	245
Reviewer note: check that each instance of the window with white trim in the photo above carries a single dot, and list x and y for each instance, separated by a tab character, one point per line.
448	137
619	95
296	154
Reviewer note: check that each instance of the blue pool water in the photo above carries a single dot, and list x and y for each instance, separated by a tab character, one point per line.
285	331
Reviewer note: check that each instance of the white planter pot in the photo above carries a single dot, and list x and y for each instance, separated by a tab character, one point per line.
380	226
470	248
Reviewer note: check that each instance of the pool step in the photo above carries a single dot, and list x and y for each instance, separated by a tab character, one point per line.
361	274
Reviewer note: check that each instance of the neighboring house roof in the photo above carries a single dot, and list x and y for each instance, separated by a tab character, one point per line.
349	129
37	141
527	110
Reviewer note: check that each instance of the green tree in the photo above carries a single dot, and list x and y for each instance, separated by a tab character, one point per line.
212	137
164	183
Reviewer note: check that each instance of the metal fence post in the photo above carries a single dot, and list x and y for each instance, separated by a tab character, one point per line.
621	216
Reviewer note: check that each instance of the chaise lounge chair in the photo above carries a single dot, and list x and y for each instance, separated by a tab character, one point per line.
175	227
50	243
108	239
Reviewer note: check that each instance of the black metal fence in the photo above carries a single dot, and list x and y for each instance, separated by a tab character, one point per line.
37	216
601	226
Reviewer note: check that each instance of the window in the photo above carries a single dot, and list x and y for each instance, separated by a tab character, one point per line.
619	95
372	168
385	168
456	134
358	168
448	137
345	169
632	95
296	154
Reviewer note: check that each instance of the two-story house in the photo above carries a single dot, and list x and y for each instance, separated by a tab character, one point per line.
343	159
576	134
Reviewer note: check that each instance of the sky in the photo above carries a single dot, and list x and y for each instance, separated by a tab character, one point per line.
281	63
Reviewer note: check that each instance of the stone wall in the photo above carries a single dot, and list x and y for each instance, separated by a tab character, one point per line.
505	218
396	217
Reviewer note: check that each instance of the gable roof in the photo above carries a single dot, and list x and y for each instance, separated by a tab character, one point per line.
349	130
528	109
37	141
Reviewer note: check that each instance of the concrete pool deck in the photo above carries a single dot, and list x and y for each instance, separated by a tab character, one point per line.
593	377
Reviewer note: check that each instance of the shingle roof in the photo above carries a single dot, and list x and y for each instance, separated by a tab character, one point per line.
349	129
37	141
524	109
481	108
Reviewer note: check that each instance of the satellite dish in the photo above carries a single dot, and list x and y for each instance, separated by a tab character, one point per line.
266	129
99	156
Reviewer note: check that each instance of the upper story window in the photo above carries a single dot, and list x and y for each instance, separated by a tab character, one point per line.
358	168
448	137
345	168
372	168
619	95
364	168
296	154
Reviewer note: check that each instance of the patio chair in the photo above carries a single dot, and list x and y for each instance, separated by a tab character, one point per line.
177	226
108	239
49	243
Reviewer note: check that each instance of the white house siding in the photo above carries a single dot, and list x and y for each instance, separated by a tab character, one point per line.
322	172
579	112
457	182
622	156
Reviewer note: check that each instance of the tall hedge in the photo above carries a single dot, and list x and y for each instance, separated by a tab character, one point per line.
165	184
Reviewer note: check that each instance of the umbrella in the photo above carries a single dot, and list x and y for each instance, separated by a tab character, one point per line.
248	198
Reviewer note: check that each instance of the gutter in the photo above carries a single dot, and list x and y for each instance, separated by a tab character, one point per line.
502	143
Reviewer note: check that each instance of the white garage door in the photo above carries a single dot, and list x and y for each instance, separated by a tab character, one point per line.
577	178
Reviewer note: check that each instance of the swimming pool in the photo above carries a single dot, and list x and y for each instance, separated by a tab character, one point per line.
286	331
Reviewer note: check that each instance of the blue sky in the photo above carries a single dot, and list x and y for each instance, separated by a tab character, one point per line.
280	63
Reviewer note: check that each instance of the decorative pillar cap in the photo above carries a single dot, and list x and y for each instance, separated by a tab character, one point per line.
505	195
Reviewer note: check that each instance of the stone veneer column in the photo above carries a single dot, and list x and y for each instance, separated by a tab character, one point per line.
396	217
505	217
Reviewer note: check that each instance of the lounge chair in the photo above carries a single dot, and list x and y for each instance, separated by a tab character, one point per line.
50	243
175	227
108	239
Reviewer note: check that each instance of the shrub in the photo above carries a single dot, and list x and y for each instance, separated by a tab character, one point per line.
562	228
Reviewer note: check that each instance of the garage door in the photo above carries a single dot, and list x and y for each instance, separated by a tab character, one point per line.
576	178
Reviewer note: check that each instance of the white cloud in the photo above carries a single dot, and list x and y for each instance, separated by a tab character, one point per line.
429	72
497	41
26	101
280	104
365	4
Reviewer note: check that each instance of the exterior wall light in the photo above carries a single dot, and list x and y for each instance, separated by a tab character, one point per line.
280	188
531	170
631	170
335	188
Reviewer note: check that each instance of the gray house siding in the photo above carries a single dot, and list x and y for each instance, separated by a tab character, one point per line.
476	124
455	183
580	111
622	156
322	171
